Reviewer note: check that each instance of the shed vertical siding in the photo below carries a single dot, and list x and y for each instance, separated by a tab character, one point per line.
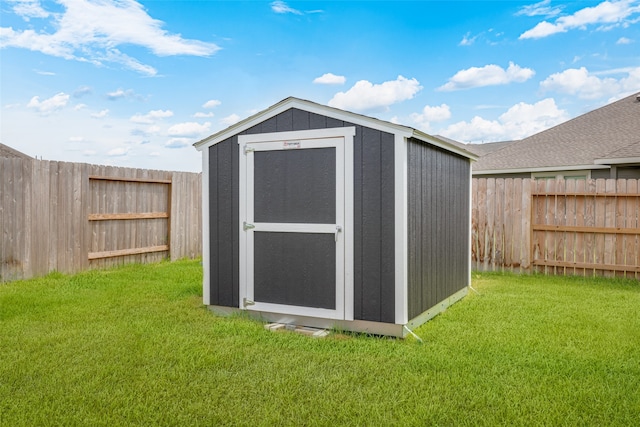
374	199
374	226
224	214
438	199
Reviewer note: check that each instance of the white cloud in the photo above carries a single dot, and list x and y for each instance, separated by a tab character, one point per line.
91	31
30	129
79	107
153	130
365	95
177	143
431	114
119	94
467	40
76	139
81	91
624	40
489	75
118	152
201	115
211	103
56	102
28	9
518	122
586	85
151	117
89	153
543	29
115	56
149	131
542	8
230	120
330	79
608	14
101	114
282	7
189	129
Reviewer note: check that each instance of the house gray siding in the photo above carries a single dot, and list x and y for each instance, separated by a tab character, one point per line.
438	225
627	172
600	174
374	200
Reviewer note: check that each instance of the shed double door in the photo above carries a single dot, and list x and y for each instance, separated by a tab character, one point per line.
292	225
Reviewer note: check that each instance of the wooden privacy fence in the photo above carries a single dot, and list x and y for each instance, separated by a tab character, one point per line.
69	217
581	227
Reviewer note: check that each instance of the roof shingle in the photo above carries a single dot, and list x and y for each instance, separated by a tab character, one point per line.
597	134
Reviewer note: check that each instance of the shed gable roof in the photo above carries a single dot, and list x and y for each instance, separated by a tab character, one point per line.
605	133
354	118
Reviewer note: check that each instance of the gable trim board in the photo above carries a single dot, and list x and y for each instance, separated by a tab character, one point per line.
336	113
377	228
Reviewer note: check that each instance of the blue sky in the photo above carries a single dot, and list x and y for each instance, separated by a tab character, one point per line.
136	83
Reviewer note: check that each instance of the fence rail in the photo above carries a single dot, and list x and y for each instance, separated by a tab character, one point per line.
69	217
583	227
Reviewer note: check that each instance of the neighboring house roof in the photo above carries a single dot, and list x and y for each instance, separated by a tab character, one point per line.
6	151
488	147
356	119
585	142
628	154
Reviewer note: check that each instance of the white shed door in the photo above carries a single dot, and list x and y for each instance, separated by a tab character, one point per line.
292	218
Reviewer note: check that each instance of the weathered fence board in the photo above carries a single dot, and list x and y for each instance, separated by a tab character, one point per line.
69	217
584	227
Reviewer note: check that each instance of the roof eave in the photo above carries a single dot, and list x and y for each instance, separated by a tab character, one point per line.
310	106
346	116
539	169
617	161
444	145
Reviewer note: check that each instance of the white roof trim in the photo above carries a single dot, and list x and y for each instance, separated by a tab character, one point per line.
353	118
542	169
444	144
306	106
617	160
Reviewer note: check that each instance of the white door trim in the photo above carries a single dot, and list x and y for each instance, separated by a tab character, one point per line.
342	140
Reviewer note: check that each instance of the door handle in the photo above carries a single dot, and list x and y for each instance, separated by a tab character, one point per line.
338	230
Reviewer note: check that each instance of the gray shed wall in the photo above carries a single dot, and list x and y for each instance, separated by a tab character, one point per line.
438	225
374	200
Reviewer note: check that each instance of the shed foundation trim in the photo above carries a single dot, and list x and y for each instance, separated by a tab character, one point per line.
437	309
364	326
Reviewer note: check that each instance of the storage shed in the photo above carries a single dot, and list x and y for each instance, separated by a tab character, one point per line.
320	217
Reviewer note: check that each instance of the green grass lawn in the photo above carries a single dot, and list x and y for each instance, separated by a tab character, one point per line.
135	346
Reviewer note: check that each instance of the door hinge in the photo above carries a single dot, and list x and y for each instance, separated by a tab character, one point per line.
246	226
246	302
248	149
